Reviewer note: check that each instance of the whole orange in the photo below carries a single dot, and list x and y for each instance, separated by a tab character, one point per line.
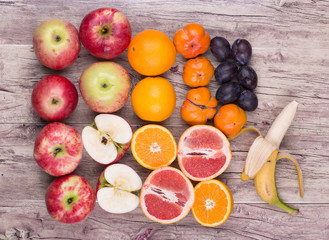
153	99
151	52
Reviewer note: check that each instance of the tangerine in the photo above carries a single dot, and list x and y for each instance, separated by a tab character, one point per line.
199	106
153	99
230	119
198	72
151	52
192	40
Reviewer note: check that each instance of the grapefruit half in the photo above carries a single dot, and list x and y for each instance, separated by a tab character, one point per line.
167	195
203	152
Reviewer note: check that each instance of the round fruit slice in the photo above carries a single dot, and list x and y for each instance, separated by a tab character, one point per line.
203	152
167	195
115	189
153	146
213	203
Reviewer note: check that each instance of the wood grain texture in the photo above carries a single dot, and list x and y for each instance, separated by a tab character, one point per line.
247	221
291	58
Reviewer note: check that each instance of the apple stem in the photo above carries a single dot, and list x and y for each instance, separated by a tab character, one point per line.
54	101
57	38
57	150
105	30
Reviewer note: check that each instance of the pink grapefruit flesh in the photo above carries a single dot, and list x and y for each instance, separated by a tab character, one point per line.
203	152
167	195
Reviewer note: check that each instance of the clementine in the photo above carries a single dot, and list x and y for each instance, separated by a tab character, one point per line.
230	119
192	40
198	72
199	106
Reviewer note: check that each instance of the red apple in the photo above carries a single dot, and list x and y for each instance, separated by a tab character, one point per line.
54	98
105	32
105	86
117	189
107	139
70	199
56	43
58	149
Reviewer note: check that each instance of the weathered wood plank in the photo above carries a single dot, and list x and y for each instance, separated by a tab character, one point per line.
16	159
291	57
264	23
252	221
284	75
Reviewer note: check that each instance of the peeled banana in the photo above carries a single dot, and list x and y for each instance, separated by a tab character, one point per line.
263	155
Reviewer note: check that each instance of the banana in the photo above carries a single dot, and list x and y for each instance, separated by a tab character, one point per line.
265	181
263	155
262	148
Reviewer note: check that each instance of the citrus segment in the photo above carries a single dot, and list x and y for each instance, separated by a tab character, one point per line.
203	152
168	210
213	203
167	195
153	146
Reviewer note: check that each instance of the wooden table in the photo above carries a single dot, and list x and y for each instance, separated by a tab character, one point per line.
291	58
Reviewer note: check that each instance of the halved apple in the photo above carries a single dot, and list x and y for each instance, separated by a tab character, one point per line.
116	187
107	139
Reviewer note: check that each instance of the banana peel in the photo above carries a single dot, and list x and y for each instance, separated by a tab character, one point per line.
263	155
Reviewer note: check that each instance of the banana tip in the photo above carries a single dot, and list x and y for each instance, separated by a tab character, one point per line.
244	176
294	213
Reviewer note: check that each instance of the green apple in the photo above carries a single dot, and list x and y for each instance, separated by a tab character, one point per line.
105	86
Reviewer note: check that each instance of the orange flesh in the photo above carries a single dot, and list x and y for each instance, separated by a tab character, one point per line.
158	207
211	204
166	195
155	147
205	157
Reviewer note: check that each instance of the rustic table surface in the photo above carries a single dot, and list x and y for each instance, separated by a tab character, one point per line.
291	58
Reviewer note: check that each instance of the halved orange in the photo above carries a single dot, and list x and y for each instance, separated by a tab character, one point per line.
153	146
213	203
167	195
203	152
